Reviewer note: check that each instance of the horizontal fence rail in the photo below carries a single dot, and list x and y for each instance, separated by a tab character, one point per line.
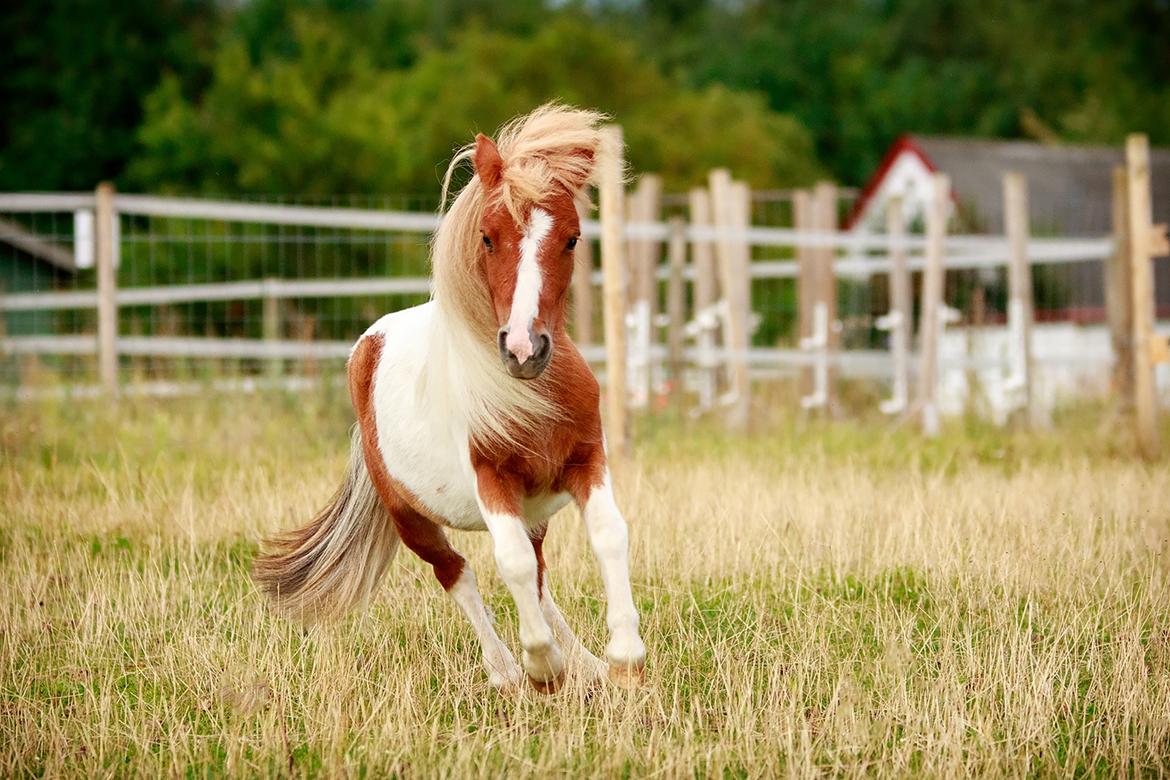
850	255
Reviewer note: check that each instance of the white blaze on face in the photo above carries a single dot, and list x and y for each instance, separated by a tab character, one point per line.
526	298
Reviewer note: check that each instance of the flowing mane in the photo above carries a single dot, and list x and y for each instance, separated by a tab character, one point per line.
553	149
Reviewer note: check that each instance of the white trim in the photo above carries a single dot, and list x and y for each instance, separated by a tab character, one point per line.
529	280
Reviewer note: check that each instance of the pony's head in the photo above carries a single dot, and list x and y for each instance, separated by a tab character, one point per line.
513	229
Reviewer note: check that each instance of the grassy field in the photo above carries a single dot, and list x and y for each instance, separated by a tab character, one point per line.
817	598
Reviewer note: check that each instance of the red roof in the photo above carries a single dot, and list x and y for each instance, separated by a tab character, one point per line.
905	143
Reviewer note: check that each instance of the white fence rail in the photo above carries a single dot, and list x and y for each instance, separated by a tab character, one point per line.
851	255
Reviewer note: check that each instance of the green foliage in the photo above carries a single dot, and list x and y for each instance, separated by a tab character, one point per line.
313	97
72	78
323	116
860	73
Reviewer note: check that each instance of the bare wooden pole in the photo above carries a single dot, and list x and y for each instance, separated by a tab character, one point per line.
900	306
1141	249
107	286
742	304
806	279
583	292
1020	315
706	292
270	324
1118	295
930	323
611	196
825	209
676	313
729	216
706	281
649	195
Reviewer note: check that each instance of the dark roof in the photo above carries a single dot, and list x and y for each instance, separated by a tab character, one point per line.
1069	187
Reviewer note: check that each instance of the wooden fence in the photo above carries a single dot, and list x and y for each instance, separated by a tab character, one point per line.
707	273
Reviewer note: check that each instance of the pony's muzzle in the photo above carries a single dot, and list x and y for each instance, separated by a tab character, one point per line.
525	366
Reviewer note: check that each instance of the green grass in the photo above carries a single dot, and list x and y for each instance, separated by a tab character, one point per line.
817	598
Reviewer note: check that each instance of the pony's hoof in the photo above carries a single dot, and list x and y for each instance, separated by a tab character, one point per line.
628	676
506	686
549	686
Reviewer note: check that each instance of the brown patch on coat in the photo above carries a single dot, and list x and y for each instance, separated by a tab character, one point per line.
538	548
416	526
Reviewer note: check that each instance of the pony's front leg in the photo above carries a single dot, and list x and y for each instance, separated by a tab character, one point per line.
609	537
499	502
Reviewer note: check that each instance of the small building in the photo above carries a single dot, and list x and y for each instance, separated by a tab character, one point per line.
1070	190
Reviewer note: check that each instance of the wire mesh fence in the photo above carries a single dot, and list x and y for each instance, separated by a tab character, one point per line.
280	286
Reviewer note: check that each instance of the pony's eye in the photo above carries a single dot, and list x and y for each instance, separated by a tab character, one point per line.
487	242
572	243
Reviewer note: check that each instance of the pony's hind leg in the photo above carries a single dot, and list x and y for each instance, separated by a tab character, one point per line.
428	541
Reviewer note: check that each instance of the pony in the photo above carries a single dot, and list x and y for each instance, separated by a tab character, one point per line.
475	411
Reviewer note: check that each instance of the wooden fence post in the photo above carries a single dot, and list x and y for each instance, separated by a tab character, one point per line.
825	209
676	313
706	295
1118	296
105	255
730	217
270	327
742	303
930	323
612	212
1020	315
1144	243
806	280
583	291
901	310
643	208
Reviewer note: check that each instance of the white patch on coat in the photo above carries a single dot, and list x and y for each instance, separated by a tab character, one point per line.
431	381
516	561
609	537
501	666
526	297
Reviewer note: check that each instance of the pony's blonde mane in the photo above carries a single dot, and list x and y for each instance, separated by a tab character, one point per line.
553	147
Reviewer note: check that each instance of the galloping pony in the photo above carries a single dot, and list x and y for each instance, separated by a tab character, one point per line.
476	411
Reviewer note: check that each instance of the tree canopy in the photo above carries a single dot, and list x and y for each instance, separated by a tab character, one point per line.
323	97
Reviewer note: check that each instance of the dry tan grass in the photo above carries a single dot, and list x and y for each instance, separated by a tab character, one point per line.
823	599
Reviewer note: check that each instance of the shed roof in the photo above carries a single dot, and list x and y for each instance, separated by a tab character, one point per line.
1069	187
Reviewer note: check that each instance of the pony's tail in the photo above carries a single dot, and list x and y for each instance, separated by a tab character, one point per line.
334	563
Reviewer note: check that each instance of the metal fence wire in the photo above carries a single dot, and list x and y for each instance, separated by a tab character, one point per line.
209	288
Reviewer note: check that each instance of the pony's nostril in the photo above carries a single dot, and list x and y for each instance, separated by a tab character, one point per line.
543	347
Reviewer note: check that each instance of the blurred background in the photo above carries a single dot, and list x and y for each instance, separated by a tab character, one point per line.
356	106
321	99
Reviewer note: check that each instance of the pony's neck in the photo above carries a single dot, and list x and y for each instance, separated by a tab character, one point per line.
465	379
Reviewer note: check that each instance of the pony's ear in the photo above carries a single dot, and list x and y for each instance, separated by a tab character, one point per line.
488	163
